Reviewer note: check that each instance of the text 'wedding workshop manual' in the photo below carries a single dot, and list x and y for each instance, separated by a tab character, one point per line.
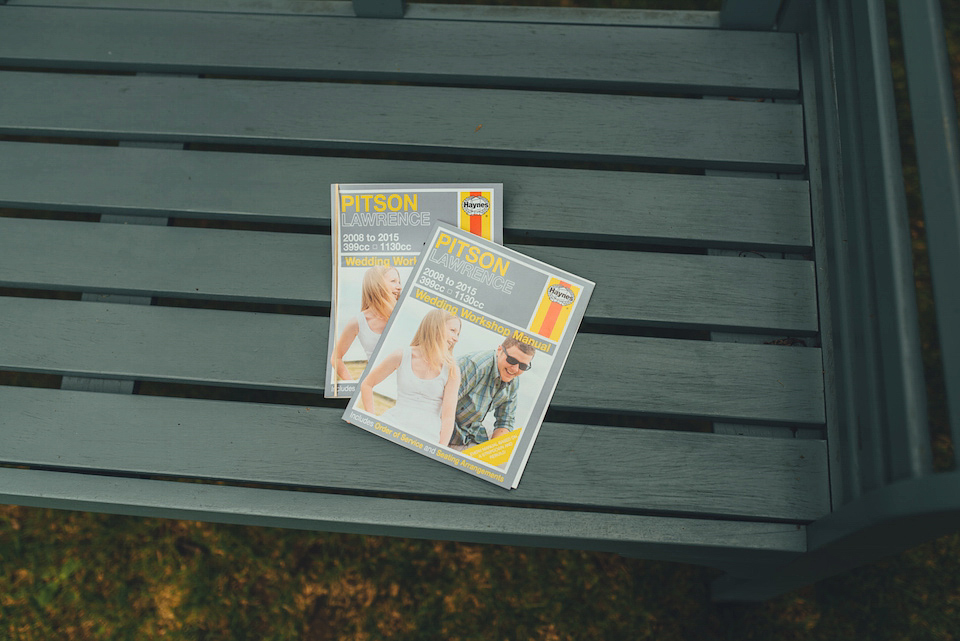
378	231
471	356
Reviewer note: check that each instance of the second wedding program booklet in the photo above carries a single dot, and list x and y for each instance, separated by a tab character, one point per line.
378	231
471	356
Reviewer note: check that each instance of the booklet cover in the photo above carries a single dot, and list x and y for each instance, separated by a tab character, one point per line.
471	356
378	231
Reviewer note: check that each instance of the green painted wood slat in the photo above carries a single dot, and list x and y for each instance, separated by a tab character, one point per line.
481	122
703	541
903	403
693	291
938	158
722	381
822	141
177	262
514	55
597	467
645	288
738	213
415	11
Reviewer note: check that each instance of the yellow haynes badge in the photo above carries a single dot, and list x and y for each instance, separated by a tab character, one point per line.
554	309
476	213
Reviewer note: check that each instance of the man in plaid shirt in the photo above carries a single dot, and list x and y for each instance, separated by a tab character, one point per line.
489	381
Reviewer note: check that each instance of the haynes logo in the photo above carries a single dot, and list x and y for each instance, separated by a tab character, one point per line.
476	213
475	205
560	293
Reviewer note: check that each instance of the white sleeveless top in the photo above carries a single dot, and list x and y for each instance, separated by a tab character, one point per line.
419	400
368	338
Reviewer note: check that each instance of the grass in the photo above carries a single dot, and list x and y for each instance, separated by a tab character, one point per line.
75	575
84	576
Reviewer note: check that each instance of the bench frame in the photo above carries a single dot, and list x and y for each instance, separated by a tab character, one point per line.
886	495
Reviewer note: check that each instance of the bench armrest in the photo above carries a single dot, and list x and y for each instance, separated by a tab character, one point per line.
934	113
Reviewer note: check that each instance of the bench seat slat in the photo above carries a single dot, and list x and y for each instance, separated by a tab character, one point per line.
603	205
702	379
494	53
414	11
144	260
647	288
601	467
481	122
657	289
687	540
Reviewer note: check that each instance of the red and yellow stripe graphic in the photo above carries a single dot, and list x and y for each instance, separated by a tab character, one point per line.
554	309
475	217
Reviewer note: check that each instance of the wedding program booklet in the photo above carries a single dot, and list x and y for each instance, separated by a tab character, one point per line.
378	231
471	356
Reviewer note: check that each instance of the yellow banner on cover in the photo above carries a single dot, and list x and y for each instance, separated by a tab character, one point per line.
554	309
476	213
496	451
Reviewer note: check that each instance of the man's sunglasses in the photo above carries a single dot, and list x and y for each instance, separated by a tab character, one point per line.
512	361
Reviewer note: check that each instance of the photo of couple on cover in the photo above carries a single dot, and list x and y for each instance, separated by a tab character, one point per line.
449	382
379	288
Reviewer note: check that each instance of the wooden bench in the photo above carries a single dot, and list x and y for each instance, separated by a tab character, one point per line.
164	259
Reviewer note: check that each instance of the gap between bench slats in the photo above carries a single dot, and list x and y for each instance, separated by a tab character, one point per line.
701	379
500	123
709	542
740	213
601	467
648	288
527	56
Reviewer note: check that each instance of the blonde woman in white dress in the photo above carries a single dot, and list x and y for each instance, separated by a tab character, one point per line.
428	380
380	290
